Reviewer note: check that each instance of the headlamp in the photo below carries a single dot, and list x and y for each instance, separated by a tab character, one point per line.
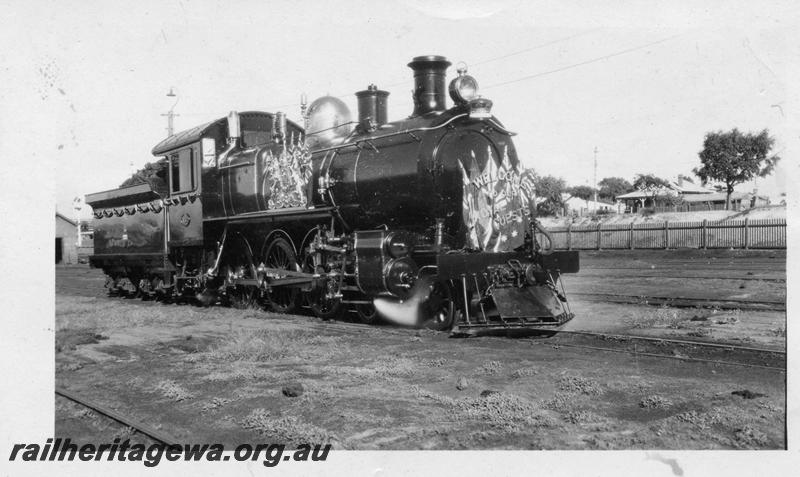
464	87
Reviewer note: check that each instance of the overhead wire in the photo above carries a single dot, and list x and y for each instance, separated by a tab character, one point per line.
488	60
582	63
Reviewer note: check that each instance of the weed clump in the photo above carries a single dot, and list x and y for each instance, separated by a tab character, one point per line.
170	389
749	438
524	373
503	410
655	402
491	367
214	404
662	317
288	428
273	345
579	385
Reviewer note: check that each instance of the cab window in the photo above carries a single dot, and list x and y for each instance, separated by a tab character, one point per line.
182	170
252	138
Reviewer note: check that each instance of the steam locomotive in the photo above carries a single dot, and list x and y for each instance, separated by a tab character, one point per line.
425	221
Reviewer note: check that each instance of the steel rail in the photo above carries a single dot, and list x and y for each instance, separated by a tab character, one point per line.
138	426
683	277
771	305
656	355
672	340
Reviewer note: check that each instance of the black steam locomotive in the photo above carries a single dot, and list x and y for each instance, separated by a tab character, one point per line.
425	221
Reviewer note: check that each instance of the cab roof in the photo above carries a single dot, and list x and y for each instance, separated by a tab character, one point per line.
211	128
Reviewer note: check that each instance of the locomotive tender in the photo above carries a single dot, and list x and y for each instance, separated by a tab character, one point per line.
427	220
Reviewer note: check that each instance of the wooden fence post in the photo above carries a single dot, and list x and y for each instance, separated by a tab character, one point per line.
746	233
630	236
666	235
569	236
704	241
599	235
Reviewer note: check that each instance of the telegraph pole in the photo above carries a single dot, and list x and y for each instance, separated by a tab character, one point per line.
171	113
595	175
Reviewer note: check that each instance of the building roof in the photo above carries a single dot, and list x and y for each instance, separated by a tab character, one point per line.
716	197
687	187
587	202
71	222
640	194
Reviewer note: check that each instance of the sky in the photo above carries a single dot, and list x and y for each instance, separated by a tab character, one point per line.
642	82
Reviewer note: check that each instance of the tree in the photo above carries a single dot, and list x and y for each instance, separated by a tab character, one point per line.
611	187
549	189
653	186
732	157
582	192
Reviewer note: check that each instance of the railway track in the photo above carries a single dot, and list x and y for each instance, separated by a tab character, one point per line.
127	421
660	275
683	302
677	349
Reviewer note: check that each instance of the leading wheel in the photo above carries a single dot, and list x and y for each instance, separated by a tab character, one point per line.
318	298
279	254
440	307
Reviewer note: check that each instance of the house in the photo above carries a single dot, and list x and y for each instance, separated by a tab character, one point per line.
66	240
641	199
581	207
716	201
665	198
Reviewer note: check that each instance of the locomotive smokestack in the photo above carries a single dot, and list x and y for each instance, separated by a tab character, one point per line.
429	83
372	107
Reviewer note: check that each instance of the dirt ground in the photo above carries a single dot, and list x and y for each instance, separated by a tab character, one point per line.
230	376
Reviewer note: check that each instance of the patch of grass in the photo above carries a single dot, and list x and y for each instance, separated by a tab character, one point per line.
655	402
499	409
172	390
780	332
700	333
287	428
491	367
273	345
394	367
524	373
560	402
661	317
124	433
108	315
730	317
433	363
582	417
244	370
749	438
214	404
579	385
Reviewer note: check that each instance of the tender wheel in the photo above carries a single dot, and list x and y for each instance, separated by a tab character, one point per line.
279	254
367	313
130	286
440	307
